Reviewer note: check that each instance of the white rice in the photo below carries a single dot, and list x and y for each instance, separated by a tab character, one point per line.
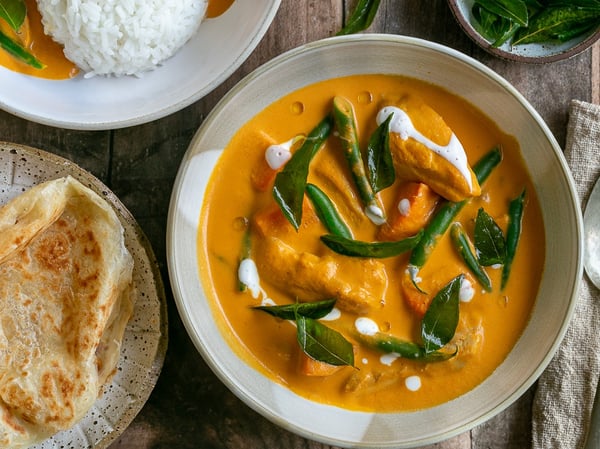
121	37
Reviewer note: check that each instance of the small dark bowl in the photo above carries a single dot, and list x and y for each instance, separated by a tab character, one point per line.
529	53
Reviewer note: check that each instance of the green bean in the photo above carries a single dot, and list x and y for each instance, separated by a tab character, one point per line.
379	250
19	52
290	183
343	116
361	17
327	212
390	344
513	233
447	212
464	247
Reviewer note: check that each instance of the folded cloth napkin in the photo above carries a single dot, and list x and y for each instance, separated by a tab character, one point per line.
565	392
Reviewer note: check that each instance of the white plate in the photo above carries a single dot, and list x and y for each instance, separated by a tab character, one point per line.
495	97
537	53
145	339
221	45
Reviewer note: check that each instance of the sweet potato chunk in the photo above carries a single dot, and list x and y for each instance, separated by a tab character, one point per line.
416	203
416	300
271	221
308	366
263	176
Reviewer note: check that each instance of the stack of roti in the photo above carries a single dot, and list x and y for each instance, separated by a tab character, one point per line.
65	299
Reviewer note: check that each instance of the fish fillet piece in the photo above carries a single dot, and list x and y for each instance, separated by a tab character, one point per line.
358	284
415	161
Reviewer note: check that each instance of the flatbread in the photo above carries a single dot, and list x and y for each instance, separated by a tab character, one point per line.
65	299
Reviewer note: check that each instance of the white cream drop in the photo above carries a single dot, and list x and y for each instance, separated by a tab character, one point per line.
366	326
466	292
266	301
388	359
248	275
413	383
375	214
333	315
278	154
404	207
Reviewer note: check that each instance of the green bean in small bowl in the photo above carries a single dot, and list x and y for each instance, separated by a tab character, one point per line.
530	31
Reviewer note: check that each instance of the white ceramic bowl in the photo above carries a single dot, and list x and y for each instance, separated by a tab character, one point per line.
538	53
219	47
496	98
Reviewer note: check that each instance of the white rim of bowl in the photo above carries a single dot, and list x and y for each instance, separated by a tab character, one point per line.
241	392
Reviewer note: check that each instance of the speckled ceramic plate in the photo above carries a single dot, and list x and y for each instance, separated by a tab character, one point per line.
219	47
145	339
531	53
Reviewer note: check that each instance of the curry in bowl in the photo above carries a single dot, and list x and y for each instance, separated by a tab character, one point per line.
372	242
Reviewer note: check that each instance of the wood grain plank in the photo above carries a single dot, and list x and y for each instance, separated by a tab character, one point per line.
191	407
90	150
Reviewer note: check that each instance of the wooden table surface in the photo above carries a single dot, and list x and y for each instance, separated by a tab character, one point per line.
190	407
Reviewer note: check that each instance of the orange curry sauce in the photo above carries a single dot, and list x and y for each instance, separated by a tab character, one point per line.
58	67
491	323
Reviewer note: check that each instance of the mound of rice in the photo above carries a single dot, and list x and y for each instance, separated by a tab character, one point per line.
121	37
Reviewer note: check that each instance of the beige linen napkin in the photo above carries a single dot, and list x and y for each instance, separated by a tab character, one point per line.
565	394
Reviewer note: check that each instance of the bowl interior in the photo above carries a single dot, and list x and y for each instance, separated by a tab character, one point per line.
219	47
530	53
492	95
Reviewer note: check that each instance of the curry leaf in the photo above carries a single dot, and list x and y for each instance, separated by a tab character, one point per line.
440	320
513	10
507	34
361	18
14	12
490	25
314	310
534	5
323	343
576	30
290	182
489	240
553	22
379	158
493	27
580	3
